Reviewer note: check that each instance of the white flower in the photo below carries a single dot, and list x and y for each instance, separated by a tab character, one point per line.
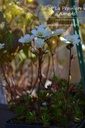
26	39
44	103
58	32
41	32
42	26
48	83
70	39
39	43
48	34
1	46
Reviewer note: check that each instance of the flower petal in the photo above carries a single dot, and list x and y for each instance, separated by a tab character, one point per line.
48	83
1	46
59	31
34	32
44	103
42	26
64	40
41	29
75	36
32	36
68	37
26	36
76	41
21	40
39	42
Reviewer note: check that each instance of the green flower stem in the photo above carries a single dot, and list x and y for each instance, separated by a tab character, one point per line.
48	67
69	47
40	77
52	60
31	73
69	73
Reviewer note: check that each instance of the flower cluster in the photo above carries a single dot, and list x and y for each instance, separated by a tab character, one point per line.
40	34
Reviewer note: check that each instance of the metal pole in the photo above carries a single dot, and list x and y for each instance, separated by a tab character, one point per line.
78	46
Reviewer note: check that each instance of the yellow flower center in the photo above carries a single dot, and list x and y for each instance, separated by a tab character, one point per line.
40	34
71	40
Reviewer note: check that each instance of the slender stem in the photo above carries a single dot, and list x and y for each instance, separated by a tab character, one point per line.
31	73
69	73
53	66
40	77
69	78
52	61
34	84
48	66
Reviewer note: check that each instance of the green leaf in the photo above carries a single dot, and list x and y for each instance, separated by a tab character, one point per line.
20	109
10	42
45	118
30	117
1	17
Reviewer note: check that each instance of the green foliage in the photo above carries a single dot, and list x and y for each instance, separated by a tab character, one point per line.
27	99
43	94
9	41
55	108
78	114
30	117
20	110
2	17
45	119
